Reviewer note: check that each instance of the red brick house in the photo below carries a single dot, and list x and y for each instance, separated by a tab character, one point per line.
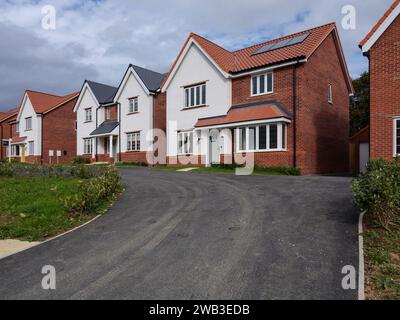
382	47
6	130
284	101
44	129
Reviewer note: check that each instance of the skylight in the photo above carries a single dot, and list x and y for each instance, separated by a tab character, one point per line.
282	43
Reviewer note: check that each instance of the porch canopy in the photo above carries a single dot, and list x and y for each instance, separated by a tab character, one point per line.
105	129
265	111
18	140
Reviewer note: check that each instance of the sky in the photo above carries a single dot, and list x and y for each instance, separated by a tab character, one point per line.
98	39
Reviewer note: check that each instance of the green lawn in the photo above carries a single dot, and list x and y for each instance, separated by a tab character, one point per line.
271	171
31	209
382	263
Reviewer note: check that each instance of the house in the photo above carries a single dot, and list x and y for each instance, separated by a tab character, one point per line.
114	123
283	102
382	47
7	130
44	129
359	151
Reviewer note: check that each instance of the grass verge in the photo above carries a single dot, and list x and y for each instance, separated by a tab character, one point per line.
31	209
382	262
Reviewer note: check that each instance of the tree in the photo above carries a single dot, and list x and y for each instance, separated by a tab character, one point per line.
359	104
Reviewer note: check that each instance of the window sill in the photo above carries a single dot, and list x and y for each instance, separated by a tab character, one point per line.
28	130
262	151
88	121
195	107
131	113
261	94
133	151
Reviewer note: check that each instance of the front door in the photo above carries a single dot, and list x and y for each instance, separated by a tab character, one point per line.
214	147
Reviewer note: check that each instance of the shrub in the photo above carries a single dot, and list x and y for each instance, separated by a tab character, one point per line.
94	192
80	160
378	192
138	164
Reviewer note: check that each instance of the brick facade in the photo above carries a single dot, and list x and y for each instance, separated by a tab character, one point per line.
322	128
7	131
384	58
59	133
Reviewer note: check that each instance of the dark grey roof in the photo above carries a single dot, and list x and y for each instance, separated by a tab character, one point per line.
105	127
151	79
103	93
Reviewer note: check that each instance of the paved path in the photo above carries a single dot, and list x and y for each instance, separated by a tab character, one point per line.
176	235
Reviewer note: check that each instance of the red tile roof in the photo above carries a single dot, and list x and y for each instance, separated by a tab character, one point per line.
18	139
244	59
43	102
257	111
8	114
380	22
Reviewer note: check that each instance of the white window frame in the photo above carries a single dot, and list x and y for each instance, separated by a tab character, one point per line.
133	105
280	127
330	94
198	91
395	153
28	124
133	141
31	148
88	115
187	148
265	84
108	113
87	145
17	127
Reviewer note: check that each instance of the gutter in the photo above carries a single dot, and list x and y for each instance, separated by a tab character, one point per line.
281	65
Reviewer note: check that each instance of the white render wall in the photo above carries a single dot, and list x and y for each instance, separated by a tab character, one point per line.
195	68
141	121
84	129
35	134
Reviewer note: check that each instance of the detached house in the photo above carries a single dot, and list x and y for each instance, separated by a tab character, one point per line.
382	47
115	123
7	130
284	101
44	129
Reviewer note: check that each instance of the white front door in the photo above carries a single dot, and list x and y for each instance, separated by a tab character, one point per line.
364	156
214	147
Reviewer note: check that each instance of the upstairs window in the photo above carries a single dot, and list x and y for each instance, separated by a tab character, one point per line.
28	123
185	142
330	95
262	84
133	105
108	113
133	141
88	115
396	144
195	95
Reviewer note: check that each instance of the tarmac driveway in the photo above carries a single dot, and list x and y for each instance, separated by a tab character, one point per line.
179	235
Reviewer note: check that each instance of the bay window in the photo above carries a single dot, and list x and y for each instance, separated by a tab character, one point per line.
268	137
185	142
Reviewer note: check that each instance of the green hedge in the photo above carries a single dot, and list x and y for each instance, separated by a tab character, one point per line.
378	192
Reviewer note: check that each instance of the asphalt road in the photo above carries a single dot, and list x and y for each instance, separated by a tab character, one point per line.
202	236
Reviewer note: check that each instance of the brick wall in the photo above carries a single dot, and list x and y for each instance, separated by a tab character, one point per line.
59	133
160	119
322	127
133	157
113	112
7	131
385	94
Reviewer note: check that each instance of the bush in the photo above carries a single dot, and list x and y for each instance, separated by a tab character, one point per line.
378	192
80	160
94	192
136	164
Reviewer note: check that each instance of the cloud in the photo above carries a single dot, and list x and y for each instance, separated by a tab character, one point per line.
97	39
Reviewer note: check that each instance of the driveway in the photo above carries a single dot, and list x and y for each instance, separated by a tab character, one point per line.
179	235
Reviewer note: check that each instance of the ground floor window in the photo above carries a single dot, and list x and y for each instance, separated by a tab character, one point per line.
133	141
31	148
88	146
15	151
268	137
397	137
185	142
